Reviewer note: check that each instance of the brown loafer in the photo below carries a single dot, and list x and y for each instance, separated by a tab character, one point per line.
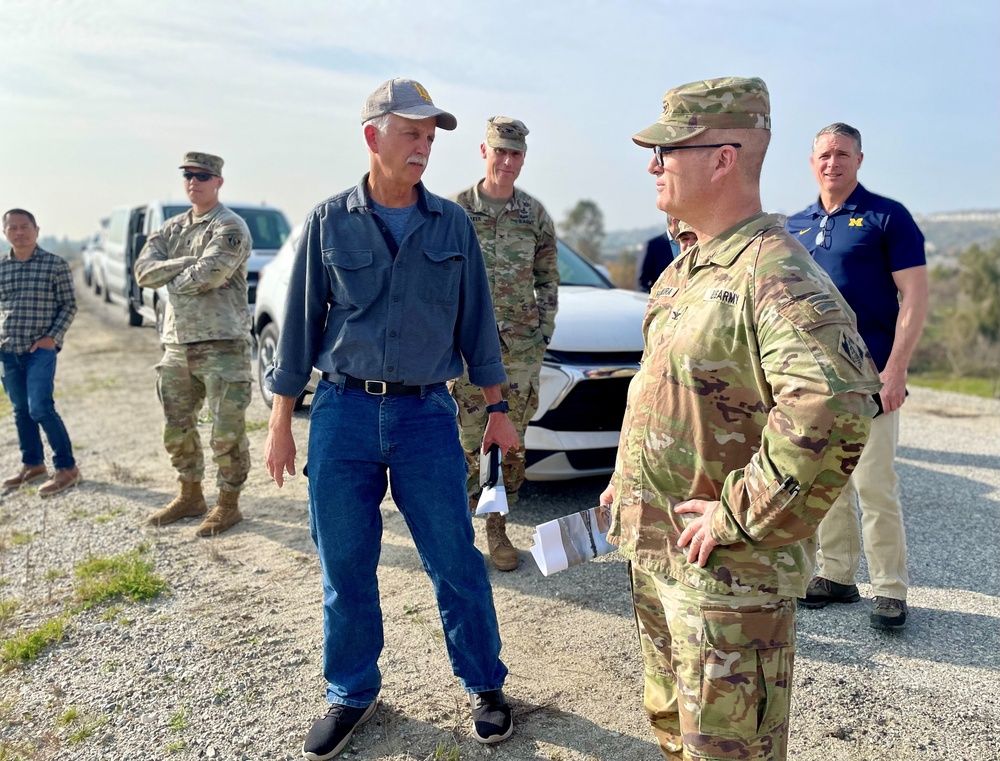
61	480
28	474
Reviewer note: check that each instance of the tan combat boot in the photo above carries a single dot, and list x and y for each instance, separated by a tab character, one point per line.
224	515
504	554
189	502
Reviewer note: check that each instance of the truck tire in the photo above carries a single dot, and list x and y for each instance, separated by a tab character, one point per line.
267	343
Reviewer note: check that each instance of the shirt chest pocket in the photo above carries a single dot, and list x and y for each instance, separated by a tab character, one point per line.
441	277
352	276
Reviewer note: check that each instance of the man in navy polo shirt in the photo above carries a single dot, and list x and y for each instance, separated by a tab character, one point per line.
874	252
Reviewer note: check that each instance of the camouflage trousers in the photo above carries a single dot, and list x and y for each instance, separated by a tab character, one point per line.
187	375
521	393
718	669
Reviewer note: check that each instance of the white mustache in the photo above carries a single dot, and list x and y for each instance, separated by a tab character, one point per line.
420	160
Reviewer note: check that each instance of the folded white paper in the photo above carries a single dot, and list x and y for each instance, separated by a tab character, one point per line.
572	540
493	499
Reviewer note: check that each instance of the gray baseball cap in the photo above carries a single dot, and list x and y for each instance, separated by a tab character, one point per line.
406	98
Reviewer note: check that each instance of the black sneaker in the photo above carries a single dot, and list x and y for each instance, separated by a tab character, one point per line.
821	592
331	734
491	719
889	613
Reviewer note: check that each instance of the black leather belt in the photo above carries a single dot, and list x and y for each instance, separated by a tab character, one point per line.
374	387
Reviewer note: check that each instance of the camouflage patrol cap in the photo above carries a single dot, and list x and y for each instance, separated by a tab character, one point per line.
406	98
684	227
206	161
504	132
725	103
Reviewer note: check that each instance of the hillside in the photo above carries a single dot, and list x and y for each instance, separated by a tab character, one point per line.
946	234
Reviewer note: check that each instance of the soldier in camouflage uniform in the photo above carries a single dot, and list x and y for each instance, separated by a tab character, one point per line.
747	416
518	240
201	257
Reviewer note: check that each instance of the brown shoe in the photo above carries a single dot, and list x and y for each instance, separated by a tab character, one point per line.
61	480
188	503
504	553
28	474
224	515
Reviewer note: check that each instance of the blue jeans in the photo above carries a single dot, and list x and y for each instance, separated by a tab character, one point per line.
28	380
355	439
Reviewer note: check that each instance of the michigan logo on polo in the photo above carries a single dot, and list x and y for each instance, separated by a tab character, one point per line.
855	221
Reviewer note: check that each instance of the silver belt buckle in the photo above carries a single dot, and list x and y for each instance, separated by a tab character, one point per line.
378	388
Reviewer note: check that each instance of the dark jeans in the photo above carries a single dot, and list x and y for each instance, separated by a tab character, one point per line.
356	440
28	380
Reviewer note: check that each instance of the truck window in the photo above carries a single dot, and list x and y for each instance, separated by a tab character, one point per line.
118	227
268	227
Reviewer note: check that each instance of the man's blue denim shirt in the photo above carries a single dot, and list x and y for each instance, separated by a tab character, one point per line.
354	309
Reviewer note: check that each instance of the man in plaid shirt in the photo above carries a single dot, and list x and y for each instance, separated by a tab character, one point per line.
37	305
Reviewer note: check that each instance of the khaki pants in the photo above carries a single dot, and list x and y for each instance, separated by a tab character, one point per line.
875	485
718	669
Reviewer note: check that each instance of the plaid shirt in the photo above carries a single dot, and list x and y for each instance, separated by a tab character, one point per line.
36	300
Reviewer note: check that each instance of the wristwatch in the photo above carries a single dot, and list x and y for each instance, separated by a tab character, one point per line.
500	406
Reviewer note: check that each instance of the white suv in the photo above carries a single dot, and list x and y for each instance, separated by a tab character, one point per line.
594	353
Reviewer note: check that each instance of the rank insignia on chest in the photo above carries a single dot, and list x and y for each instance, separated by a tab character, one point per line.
851	349
732	298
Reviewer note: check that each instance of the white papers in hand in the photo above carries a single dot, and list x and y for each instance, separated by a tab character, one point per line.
493	499
571	540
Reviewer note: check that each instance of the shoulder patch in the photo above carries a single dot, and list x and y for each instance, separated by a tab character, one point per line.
234	239
823	303
852	350
725	296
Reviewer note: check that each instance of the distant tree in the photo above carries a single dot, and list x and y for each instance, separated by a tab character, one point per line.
979	276
583	229
972	325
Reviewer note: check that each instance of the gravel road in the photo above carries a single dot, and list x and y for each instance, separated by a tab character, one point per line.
226	664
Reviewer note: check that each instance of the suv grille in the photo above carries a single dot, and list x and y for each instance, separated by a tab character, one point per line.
596	358
592	405
580	459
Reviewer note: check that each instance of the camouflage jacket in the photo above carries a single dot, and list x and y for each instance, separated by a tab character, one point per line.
519	248
754	391
203	262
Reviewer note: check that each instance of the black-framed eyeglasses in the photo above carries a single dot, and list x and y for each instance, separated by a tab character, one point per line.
825	226
200	176
662	150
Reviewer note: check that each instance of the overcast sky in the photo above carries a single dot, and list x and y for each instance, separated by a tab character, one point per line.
100	100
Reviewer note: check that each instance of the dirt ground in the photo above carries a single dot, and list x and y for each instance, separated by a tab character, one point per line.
226	664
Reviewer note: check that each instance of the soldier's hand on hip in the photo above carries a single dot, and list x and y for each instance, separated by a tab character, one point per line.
697	536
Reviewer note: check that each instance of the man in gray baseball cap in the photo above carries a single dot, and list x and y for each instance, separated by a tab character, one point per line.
389	299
